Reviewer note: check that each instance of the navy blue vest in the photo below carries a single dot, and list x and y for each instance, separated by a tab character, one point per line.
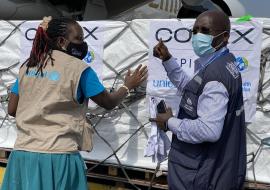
220	165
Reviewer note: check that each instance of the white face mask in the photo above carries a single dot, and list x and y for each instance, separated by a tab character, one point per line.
193	2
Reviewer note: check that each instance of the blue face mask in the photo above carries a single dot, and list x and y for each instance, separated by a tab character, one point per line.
202	44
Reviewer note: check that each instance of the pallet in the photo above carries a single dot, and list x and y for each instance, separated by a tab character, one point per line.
4	154
138	176
112	174
255	186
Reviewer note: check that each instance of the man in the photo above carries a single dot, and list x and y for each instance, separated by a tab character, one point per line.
209	144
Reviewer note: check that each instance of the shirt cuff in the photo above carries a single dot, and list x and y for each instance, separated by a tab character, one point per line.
174	125
170	64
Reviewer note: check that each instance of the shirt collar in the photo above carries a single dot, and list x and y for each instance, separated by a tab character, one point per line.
202	61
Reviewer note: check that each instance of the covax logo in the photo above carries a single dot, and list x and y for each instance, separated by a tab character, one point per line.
184	35
88	33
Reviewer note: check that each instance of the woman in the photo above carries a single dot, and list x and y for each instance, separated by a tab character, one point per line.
49	100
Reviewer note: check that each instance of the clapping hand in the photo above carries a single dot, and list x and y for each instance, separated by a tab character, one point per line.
134	79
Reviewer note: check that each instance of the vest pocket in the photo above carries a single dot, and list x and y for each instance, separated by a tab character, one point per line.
87	136
184	160
184	167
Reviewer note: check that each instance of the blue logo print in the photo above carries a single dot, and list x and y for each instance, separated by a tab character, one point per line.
246	86
163	84
54	76
242	63
51	75
90	57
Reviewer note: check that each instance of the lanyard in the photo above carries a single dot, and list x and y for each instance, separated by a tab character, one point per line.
222	53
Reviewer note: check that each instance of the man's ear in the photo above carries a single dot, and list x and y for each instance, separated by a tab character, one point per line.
226	36
62	43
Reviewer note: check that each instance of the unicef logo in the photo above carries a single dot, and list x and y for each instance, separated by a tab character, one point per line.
90	57
242	63
54	76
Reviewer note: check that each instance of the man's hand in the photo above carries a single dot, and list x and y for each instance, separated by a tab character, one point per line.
162	119
161	51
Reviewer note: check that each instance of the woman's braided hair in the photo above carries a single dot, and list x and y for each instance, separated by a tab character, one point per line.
45	41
